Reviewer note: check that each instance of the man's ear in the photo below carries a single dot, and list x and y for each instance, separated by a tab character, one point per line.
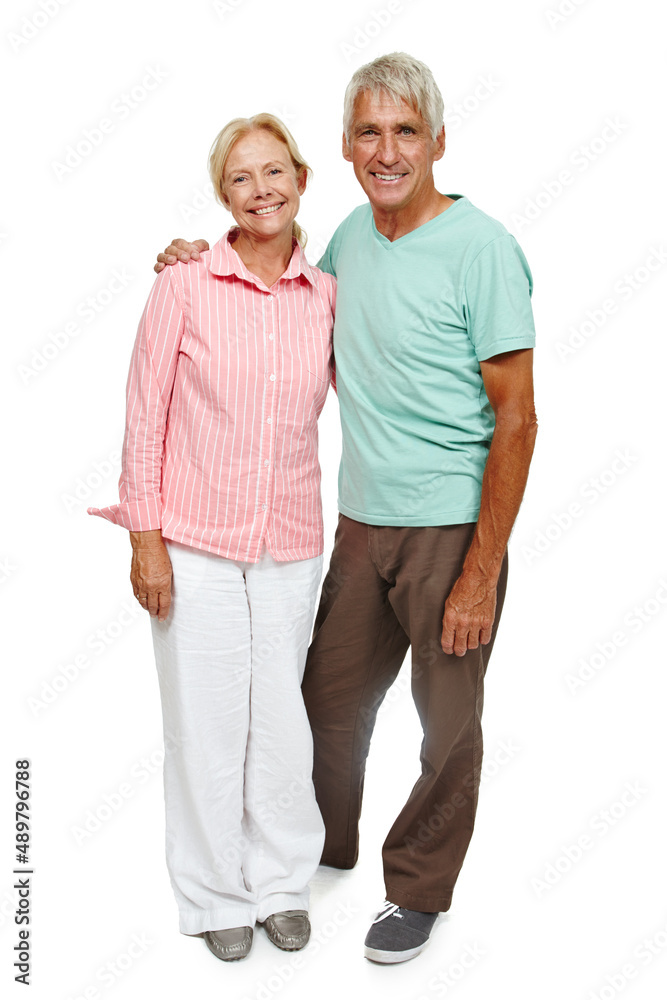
347	152
440	143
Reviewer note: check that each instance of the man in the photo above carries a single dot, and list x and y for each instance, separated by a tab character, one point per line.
433	347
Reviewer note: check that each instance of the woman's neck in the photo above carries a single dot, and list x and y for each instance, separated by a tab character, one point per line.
267	259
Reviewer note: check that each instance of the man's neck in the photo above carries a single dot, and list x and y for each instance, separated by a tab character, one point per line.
404	220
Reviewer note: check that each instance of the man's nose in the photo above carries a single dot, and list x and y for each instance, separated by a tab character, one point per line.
388	152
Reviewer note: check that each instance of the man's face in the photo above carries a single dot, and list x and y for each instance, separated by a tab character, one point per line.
392	152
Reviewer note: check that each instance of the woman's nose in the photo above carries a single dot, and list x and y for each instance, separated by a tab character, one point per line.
262	189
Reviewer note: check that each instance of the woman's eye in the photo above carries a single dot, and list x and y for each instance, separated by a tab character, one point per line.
275	170
237	179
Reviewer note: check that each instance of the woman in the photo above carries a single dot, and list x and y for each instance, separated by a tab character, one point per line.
220	492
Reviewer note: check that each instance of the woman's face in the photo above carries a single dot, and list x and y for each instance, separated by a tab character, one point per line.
262	185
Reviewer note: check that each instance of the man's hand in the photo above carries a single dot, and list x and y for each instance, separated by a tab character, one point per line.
180	250
469	613
150	573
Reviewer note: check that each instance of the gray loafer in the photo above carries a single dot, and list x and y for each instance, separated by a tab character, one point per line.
289	929
229	945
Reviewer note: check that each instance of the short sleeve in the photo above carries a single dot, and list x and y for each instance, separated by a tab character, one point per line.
329	258
325	263
497	299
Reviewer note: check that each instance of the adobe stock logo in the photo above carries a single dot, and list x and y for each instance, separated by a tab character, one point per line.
222	7
634	621
566	8
624	289
365	33
598	827
88	309
592	491
85	485
120	110
579	161
34	23
643	954
461	111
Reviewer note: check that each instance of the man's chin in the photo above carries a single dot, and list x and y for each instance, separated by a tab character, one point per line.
387	202
390	193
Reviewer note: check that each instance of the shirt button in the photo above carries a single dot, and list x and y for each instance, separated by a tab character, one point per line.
268	420
272	378
270	336
263	506
266	461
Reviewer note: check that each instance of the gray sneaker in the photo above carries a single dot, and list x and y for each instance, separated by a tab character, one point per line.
288	929
229	945
398	934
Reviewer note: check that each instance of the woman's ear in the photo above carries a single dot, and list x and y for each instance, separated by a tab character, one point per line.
301	180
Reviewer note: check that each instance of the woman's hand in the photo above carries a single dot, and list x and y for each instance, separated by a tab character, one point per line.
151	572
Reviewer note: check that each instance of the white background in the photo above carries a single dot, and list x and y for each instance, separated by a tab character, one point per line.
534	93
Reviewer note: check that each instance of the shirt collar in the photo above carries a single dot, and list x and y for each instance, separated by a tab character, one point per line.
225	260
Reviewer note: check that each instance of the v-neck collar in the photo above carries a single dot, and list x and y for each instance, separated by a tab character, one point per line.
383	241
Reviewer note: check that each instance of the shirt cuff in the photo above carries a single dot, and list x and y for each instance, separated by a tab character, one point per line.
135	515
504	346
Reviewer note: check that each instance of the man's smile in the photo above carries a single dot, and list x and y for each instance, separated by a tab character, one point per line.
387	177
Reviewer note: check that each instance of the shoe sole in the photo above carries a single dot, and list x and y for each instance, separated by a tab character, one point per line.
392	957
288	947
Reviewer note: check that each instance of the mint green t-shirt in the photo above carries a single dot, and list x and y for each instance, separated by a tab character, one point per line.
414	318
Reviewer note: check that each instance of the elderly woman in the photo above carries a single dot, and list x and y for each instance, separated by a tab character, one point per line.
220	491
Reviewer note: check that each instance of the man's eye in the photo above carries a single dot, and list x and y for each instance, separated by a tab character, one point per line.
406	130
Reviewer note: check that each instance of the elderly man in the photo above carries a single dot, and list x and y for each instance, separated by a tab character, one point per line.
433	348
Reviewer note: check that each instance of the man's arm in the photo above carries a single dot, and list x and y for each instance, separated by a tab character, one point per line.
471	605
180	250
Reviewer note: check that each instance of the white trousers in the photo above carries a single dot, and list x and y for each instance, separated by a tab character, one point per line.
244	834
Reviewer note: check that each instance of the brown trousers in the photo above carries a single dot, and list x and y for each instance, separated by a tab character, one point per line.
384	592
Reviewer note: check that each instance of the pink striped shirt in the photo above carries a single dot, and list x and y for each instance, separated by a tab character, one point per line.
226	382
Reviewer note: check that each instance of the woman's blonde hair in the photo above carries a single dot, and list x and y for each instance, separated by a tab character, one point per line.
237	129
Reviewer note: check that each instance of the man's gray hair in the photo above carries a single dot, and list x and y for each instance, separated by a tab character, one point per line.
404	78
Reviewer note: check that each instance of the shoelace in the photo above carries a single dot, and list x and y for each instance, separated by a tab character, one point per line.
389	910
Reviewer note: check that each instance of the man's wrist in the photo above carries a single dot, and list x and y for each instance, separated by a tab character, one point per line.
482	567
